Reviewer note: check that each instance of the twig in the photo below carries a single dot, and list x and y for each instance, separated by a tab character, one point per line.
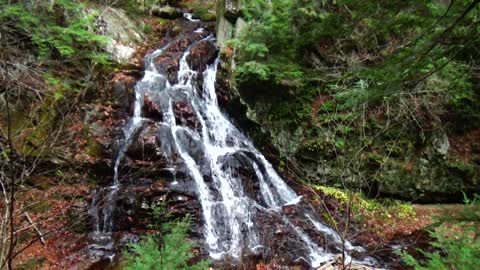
40	235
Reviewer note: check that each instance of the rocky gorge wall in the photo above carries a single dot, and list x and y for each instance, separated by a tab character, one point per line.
437	165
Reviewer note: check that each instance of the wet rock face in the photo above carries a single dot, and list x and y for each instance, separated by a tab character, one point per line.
79	212
151	109
279	240
147	146
168	63
122	91
241	167
232	9
136	202
184	115
202	55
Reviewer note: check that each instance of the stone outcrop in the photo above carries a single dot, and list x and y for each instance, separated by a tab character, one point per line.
427	172
229	20
202	55
166	12
146	146
126	34
122	91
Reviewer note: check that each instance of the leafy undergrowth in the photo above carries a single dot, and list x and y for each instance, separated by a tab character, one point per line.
54	235
405	236
455	239
376	222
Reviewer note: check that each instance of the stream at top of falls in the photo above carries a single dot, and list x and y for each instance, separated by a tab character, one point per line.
214	154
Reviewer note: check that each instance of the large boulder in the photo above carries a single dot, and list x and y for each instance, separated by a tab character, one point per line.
228	14
203	54
166	12
124	33
233	9
147	146
168	63
122	91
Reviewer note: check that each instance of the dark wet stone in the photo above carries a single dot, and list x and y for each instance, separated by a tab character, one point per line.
166	12
151	109
126	239
241	167
146	147
168	62
202	55
79	213
122	92
185	115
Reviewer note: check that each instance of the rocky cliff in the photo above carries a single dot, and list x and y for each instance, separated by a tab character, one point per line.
421	165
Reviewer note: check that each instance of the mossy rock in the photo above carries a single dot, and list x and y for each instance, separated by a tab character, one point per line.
429	180
204	15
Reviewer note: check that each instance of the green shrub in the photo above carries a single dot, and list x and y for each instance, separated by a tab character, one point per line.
459	252
457	246
357	48
62	30
170	251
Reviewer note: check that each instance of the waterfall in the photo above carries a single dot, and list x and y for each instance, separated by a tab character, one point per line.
104	199
221	162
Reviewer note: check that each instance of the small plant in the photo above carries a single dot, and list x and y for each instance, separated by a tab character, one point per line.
458	251
169	251
457	245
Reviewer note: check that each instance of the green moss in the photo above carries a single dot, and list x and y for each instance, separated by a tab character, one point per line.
461	168
204	14
41	132
18	119
43	182
360	203
164	22
204	10
41	206
94	148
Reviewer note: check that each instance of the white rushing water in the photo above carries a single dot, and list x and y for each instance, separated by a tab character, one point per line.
213	155
103	203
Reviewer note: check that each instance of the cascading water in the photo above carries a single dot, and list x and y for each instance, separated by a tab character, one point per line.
103	203
212	153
